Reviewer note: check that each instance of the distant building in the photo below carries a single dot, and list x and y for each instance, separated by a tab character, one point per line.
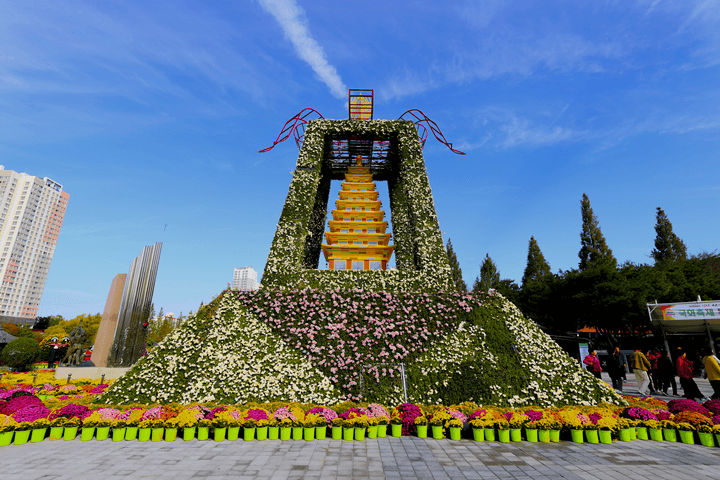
32	212
245	279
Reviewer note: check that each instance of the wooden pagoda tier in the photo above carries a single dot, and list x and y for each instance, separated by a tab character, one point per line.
357	239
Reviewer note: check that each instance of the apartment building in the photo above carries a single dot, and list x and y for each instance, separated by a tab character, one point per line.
31	215
245	279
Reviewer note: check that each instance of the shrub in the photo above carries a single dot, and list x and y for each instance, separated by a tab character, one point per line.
20	353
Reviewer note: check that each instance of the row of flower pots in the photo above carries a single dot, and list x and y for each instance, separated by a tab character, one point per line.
341	433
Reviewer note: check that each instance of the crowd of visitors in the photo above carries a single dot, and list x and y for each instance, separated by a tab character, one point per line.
655	371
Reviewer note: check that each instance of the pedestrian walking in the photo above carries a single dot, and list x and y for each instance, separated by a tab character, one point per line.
641	365
653	356
666	371
616	369
593	363
712	371
687	380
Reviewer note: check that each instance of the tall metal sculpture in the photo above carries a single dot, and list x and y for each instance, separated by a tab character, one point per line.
129	343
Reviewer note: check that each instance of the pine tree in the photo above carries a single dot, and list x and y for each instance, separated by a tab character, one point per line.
668	246
455	270
489	276
161	314
537	267
594	251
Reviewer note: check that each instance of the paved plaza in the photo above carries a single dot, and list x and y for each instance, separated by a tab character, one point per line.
388	458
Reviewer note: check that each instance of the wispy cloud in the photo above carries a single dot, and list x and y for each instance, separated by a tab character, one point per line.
291	18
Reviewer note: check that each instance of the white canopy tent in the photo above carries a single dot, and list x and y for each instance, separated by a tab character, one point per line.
686	318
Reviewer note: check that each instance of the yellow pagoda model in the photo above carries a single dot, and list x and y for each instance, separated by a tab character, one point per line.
357	238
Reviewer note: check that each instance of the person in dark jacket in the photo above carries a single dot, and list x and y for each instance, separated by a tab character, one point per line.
616	369
666	373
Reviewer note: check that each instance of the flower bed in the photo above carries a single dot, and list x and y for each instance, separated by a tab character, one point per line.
270	421
327	346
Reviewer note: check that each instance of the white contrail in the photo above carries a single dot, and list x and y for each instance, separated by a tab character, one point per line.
291	18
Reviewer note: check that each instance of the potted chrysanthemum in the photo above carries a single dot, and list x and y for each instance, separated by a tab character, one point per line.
421	424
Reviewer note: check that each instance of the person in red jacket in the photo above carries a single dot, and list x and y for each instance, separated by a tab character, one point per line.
593	363
653	356
687	379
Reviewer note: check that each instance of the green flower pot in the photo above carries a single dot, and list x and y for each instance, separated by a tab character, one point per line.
554	435
706	439
131	433
188	433
625	435
531	434
516	434
261	433
544	436
233	433
605	436
170	434
297	433
396	430
56	433
437	432
348	433
156	434
118	434
717	438
249	434
478	434
203	433
372	431
102	433
687	437
219	434
504	436
70	433
455	433
38	435
144	434
577	435
309	434
642	433
273	433
670	434
422	431
382	431
336	433
321	432
86	433
360	433
285	433
655	434
6	438
592	436
633	433
490	434
22	437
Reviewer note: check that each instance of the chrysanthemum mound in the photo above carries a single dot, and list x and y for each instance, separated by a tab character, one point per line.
328	346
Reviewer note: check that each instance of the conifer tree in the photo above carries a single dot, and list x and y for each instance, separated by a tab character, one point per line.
594	251
489	275
668	246
455	270
537	267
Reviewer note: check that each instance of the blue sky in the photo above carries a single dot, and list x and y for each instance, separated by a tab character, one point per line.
152	113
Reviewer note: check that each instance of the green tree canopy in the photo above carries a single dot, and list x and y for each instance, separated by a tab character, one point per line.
455	270
594	250
489	275
537	267
668	246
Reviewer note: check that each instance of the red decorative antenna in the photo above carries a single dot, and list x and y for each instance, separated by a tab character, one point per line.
420	117
296	127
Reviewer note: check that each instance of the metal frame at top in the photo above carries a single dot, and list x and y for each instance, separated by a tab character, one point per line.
360	103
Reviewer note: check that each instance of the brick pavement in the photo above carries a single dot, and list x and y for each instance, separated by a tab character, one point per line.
387	458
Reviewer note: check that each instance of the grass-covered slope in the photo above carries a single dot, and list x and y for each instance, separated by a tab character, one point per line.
326	346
